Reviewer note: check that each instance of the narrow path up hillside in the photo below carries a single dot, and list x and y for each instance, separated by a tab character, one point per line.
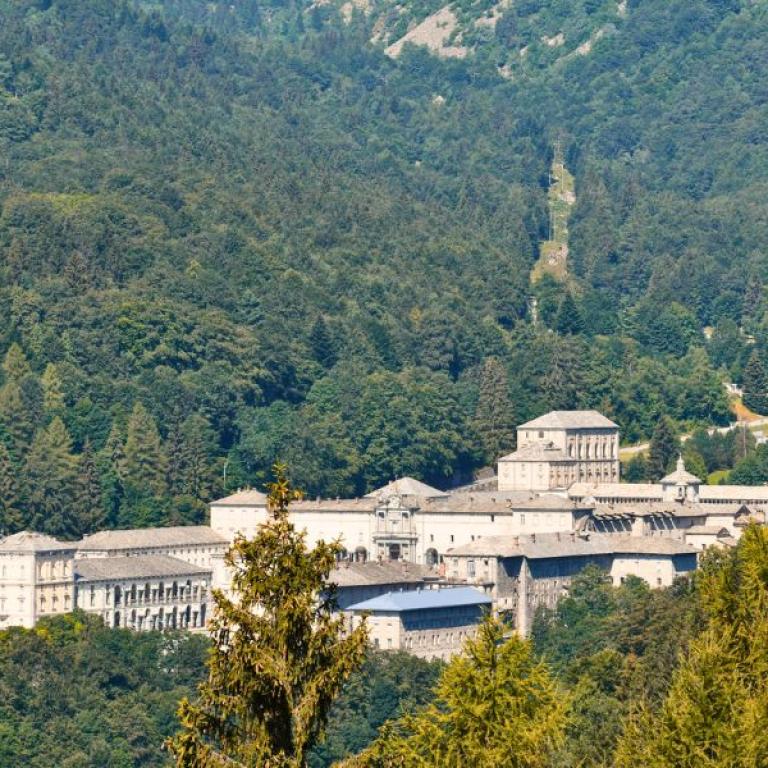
553	253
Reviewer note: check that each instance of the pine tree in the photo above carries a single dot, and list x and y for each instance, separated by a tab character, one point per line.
50	474
11	519
15	419
495	418
279	657
144	465
568	320
663	449
111	461
15	364
716	711
323	348
174	449
755	384
197	451
53	398
89	507
495	705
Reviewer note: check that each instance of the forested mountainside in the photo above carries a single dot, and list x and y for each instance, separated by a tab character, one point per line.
235	233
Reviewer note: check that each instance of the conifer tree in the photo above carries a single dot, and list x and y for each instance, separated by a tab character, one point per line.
111	462
15	364
197	439
53	398
174	449
89	508
15	419
323	349
144	465
280	655
495	705
50	474
755	384
11	519
716	711
568	320
663	448
495	418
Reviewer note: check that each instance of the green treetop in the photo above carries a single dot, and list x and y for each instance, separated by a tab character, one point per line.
144	462
663	448
495	706
280	655
716	712
494	416
756	384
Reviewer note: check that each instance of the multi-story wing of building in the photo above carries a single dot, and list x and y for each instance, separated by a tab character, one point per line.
562	483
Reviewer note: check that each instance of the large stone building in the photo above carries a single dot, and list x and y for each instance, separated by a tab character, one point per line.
35	578
431	623
405	520
563	481
523	573
561	448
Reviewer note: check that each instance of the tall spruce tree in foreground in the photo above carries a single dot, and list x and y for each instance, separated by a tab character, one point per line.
280	656
756	384
664	447
495	706
716	712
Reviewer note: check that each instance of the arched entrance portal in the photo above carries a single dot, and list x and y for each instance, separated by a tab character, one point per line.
394	552
432	558
361	555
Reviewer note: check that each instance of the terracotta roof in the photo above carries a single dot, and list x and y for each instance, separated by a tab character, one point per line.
31	541
147	538
570	420
140	567
245	498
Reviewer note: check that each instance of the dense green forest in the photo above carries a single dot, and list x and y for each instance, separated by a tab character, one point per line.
110	696
235	233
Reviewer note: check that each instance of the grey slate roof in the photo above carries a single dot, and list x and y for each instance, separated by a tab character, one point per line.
548	545
372	573
243	498
423	599
31	541
537	452
407	486
139	567
146	538
570	420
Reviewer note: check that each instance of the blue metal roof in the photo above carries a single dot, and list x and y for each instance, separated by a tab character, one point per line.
423	599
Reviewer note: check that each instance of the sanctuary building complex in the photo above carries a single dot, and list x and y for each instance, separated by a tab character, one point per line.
555	505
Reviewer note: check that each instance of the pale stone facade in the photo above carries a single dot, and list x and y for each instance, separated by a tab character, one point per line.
386	525
523	573
144	592
431	624
35	578
561	448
